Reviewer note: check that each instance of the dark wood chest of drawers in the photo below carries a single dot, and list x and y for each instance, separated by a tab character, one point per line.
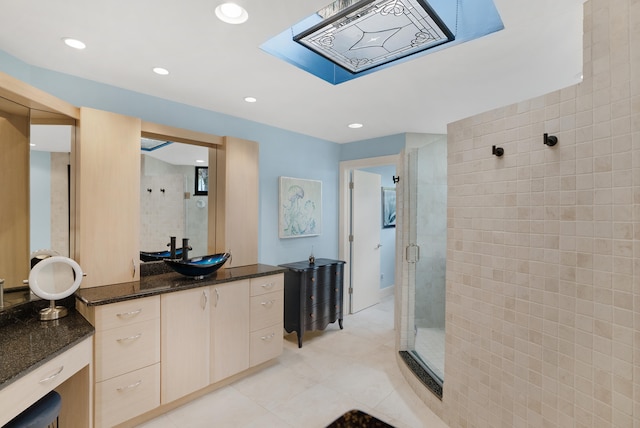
312	295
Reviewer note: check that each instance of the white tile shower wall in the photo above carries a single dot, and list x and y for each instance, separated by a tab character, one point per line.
543	263
161	213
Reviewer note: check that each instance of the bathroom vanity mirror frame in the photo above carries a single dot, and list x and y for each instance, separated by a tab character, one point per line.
27	105
213	143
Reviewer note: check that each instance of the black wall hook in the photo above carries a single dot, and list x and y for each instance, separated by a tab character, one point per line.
149	190
162	190
550	140
498	151
396	178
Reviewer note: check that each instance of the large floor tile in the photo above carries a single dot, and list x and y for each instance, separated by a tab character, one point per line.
335	371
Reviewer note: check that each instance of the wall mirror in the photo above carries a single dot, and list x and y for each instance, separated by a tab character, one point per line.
169	205
18	128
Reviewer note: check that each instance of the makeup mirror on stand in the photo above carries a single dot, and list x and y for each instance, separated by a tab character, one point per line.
54	278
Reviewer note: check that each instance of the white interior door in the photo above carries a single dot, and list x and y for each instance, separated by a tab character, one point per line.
366	222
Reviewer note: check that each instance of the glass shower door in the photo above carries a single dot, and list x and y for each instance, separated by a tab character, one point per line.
426	254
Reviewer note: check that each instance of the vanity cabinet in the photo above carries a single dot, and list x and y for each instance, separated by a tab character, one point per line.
312	295
267	308
185	349
67	373
154	353
107	197
127	358
229	329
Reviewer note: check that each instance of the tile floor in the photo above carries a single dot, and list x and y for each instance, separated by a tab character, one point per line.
334	371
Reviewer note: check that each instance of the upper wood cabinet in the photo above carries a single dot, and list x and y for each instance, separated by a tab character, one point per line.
236	214
107	197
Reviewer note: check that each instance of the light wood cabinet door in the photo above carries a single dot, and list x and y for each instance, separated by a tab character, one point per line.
107	195
229	329
185	343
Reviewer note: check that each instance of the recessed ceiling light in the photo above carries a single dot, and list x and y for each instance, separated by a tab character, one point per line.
74	43
32	144
231	13
250	99
199	161
355	125
161	71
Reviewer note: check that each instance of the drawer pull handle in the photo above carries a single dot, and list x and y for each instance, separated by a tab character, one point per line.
53	376
129	314
268	337
133	385
268	285
130	338
268	303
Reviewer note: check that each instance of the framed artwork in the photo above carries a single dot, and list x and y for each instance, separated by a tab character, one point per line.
388	207
202	180
300	203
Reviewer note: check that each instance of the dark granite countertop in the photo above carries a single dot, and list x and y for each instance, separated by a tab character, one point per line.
168	282
26	343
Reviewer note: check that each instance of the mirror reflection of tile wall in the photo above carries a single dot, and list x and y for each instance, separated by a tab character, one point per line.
171	213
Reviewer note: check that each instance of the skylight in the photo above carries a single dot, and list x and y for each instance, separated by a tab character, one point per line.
320	46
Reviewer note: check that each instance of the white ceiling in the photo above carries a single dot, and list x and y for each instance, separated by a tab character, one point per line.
215	65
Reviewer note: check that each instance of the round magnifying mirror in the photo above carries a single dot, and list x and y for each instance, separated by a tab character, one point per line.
39	255
55	278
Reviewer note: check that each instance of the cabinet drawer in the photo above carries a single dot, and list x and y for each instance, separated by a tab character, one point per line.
265	344
266	309
267	284
124	349
127	396
25	391
127	312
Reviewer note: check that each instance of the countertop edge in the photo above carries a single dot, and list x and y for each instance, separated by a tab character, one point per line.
15	375
168	283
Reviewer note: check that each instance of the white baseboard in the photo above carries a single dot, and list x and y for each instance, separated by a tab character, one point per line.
386	292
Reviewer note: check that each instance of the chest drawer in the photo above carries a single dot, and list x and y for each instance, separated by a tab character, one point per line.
127	396
123	349
127	312
266	309
267	284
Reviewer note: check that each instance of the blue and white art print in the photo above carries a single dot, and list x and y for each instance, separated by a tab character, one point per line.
300	207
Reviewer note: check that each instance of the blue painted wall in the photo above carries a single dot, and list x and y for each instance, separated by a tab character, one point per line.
282	153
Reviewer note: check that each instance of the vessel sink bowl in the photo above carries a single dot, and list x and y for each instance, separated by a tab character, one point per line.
157	256
198	267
